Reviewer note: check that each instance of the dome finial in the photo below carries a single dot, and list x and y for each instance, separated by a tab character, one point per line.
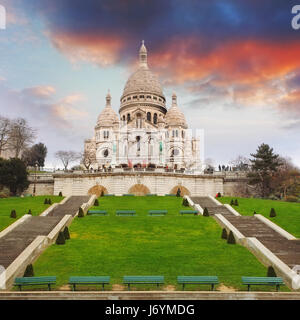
143	55
108	98
174	99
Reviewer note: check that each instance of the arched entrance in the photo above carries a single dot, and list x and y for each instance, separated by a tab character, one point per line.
139	190
183	191
97	190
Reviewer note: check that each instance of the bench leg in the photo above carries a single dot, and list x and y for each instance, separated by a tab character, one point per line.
73	287
102	286
49	287
212	287
157	285
277	287
20	288
248	287
128	286
183	287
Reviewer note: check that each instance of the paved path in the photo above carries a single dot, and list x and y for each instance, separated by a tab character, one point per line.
12	244
286	250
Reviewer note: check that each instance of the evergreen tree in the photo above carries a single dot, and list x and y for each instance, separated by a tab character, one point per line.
49	201
61	238
29	271
96	203
271	272
60	194
178	193
231	239
66	233
231	202
46	201
13	214
80	213
224	234
29	212
205	212
272	213
236	203
264	166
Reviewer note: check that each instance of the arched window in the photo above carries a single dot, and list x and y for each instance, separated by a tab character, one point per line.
176	133
149	116
138	120
128	117
105	153
182	134
124	118
155	118
138	142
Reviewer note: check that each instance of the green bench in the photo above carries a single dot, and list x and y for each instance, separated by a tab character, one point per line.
128	195
157	212
212	280
29	281
109	195
170	195
88	280
97	212
143	280
125	213
270	281
151	195
195	212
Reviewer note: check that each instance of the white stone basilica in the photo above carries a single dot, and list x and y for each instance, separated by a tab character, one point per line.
146	133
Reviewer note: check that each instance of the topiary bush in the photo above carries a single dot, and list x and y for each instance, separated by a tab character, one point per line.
49	201
46	201
67	233
29	212
102	194
185	202
60	194
80	213
178	193
61	238
271	272
224	234
29	271
205	212
219	195
96	203
231	239
254	213
231	202
13	214
236	203
272	213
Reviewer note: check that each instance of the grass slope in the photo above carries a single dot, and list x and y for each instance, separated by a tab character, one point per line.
287	213
22	206
142	245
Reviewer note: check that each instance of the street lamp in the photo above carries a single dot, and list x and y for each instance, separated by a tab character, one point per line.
35	172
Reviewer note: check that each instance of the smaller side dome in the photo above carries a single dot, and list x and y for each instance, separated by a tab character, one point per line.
174	116
108	117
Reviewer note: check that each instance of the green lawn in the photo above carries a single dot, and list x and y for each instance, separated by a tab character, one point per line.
22	206
172	245
287	213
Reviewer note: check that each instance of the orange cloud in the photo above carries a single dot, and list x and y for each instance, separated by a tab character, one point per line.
242	62
102	50
40	91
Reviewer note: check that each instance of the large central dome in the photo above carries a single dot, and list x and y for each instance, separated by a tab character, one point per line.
143	80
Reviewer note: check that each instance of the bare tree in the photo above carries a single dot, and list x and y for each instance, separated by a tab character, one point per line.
66	157
88	157
5	129
241	163
21	136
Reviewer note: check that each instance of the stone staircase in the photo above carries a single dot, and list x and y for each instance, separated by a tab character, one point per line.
18	239
286	250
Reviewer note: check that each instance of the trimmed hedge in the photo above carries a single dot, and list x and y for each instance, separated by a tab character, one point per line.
224	234
271	272
205	212
66	233
231	239
29	271
80	213
13	214
61	238
96	204
272	213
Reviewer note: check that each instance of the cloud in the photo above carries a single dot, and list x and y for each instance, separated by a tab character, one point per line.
43	92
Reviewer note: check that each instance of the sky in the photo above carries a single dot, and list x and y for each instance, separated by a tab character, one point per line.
234	65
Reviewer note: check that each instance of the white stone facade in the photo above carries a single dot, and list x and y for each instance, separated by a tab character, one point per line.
145	133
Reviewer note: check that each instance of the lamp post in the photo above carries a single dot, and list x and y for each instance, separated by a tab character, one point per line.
35	172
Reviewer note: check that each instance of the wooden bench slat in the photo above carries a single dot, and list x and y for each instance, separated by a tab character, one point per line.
212	280
188	211
276	281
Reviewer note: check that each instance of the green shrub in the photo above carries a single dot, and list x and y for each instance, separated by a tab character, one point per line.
46	201
80	213
49	201
231	239
219	195
66	233
236	203
29	271
102	194
29	212
272	213
231	202
13	214
96	204
224	234
271	272
60	194
254	213
61	238
205	212
178	193
291	199
185	202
